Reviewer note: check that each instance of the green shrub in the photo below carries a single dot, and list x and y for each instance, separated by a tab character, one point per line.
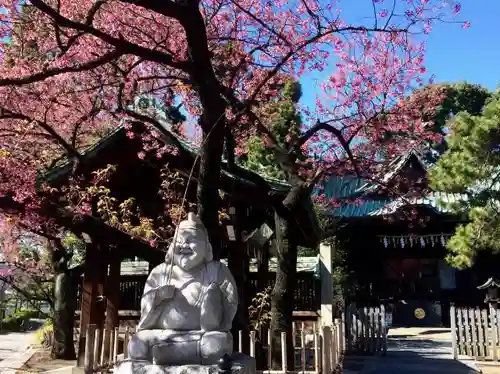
44	335
10	324
26	313
13	321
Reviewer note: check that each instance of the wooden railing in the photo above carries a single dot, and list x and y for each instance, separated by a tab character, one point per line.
366	330
306	293
317	351
475	332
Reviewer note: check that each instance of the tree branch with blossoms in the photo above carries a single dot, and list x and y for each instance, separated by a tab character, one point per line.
73	71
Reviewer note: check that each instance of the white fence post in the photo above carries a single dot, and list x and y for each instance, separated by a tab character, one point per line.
317	352
284	365
327	349
453	324
322	354
88	363
475	332
95	357
385	329
116	340
325	256
494	331
252	343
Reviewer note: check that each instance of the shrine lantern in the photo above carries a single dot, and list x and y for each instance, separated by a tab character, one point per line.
492	287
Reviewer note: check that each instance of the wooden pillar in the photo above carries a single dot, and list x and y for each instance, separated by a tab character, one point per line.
263	269
103	274
112	294
238	263
90	312
113	289
325	256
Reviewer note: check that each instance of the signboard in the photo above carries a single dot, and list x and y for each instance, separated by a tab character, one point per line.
447	276
388	319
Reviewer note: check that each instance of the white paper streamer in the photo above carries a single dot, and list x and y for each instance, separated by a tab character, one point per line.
403	241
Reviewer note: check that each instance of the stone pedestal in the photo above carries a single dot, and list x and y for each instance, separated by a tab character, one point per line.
240	364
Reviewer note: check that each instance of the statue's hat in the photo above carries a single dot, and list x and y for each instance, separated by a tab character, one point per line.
192	222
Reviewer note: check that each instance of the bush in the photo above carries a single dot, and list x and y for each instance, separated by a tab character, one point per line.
26	313
44	336
13	321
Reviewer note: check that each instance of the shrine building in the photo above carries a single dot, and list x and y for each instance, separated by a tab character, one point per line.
395	244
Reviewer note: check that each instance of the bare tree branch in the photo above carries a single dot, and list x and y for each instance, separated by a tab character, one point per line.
51	72
120	44
7	114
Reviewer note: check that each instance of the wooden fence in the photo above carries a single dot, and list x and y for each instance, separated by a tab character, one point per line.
315	351
306	293
366	330
475	332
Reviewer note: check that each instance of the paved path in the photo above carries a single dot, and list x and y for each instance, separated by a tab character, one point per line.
14	342
419	356
407	355
13	350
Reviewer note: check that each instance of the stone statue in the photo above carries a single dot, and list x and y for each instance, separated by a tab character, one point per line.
188	304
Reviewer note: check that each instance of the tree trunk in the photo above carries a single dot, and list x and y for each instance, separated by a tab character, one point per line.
212	122
208	185
64	310
238	263
282	294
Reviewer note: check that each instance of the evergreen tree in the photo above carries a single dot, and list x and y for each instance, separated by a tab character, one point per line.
284	121
458	97
471	166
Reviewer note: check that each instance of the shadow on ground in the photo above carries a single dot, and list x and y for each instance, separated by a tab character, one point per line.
414	363
410	356
434	331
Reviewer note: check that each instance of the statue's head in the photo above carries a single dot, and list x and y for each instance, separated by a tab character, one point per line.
190	247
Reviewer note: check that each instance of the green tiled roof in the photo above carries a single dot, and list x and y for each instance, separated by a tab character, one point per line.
359	208
435	200
342	187
348	191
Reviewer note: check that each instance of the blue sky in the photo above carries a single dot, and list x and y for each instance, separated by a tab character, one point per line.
453	54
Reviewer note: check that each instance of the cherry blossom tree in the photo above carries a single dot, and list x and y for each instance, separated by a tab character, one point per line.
34	266
357	143
24	267
72	71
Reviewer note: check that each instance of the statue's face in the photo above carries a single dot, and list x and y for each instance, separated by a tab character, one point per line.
190	249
